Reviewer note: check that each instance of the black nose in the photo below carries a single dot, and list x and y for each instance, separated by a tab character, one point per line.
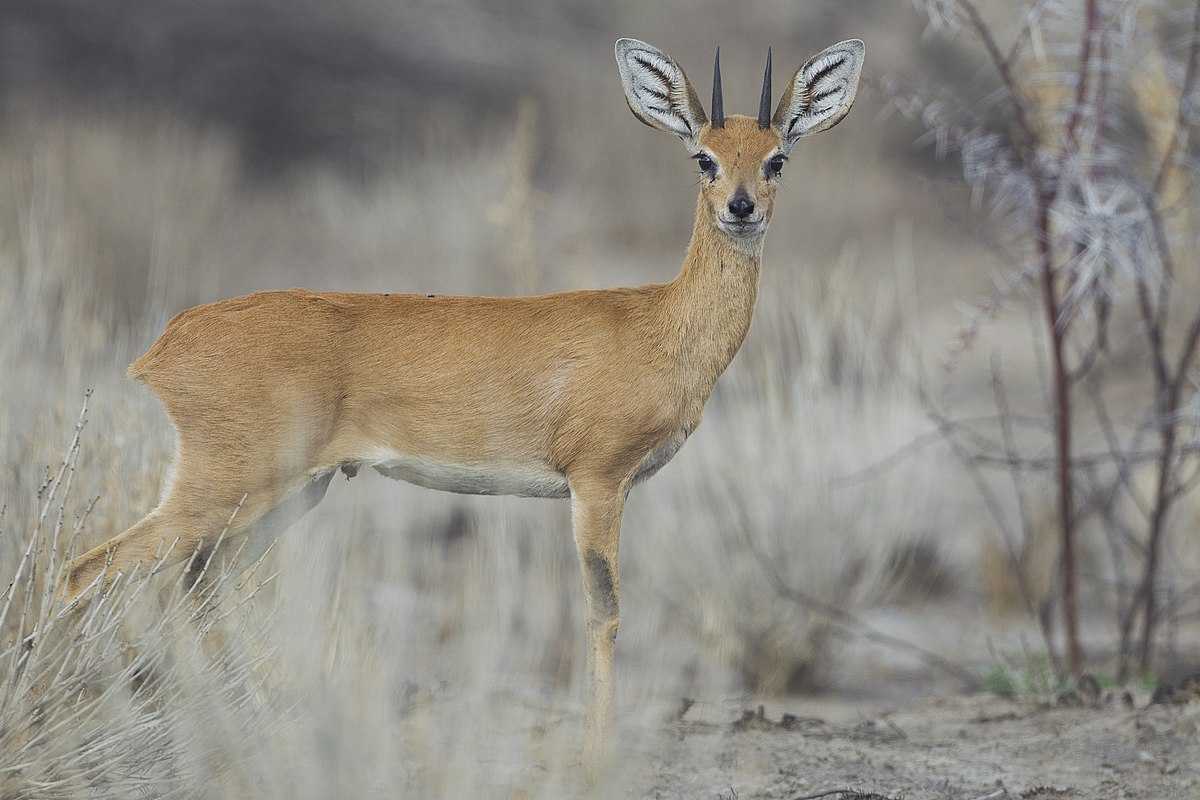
741	206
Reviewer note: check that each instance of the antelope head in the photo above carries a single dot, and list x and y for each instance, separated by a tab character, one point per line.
740	158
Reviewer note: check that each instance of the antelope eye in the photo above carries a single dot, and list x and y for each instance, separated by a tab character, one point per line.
775	166
706	164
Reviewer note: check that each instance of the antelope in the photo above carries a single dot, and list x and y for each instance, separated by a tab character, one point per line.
580	394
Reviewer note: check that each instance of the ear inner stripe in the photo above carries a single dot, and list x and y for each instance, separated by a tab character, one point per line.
662	91
654	68
828	68
824	72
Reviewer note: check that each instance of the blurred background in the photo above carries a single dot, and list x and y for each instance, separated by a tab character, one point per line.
248	100
155	154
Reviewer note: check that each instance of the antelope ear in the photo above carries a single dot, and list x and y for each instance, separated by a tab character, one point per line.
820	93
658	92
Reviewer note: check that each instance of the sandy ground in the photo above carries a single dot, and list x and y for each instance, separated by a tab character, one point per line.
956	747
948	747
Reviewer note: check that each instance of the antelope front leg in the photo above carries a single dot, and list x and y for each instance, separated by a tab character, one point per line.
597	513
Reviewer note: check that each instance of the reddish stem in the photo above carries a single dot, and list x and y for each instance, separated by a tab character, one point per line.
1062	434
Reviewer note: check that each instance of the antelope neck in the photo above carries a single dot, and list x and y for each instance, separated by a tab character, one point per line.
712	299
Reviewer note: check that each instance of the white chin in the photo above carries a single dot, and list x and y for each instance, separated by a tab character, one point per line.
743	234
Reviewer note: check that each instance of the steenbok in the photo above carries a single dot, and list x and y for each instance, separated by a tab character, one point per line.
578	395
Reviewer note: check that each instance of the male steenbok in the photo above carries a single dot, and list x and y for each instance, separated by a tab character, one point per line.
579	395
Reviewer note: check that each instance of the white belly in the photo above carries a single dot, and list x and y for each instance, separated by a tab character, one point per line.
520	480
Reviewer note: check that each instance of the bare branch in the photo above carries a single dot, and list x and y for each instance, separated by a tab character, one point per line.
1091	30
1154	318
847	621
1087	461
1182	130
1003	68
1116	449
844	793
1025	34
1000	395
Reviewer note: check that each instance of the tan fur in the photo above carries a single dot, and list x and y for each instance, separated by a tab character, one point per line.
588	391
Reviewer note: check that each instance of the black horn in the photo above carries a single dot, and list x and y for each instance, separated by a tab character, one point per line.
764	104
718	104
